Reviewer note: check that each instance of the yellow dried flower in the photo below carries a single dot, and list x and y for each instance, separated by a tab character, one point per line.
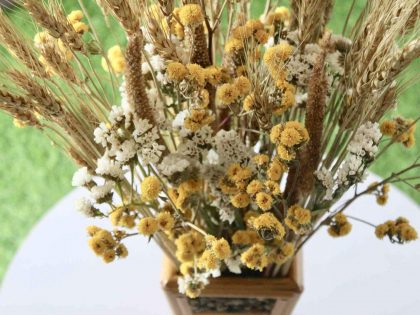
275	56
264	201
92	230
286	154
276	170
147	226
176	71
97	245
381	230
242	32
186	268
243	85
165	221
196	74
268	226
191	15
108	256
150	188
381	199
208	260
261	36
339	226
298	219
388	128
214	75
75	16
255	258
80	27
261	159
254	25
240	200
121	251
116	59
249	102
197	119
227	94
221	248
233	45
254	187
273	187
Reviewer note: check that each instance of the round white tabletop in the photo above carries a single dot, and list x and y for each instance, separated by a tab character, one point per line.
54	272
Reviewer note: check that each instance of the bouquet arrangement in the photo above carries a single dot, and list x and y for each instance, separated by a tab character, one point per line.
227	140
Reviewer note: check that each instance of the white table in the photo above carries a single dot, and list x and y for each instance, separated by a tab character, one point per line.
54	272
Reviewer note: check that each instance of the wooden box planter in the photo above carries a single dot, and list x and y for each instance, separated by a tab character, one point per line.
237	295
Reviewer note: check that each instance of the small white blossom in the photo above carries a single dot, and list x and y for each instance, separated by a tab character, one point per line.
149	49
126	151
227	215
234	264
116	115
327	181
158	63
173	163
81	177
107	167
99	192
365	141
101	134
85	207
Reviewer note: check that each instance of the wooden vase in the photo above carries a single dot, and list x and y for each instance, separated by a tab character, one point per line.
237	295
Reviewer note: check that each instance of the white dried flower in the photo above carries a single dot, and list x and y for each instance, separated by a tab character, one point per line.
234	264
81	177
85	207
173	163
227	215
101	134
99	192
126	151
327	181
107	167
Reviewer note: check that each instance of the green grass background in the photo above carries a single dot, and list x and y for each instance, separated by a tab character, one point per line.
34	175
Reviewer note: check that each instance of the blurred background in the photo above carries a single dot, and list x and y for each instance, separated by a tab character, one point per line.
34	175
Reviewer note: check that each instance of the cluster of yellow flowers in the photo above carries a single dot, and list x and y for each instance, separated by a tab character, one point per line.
252	32
230	93
190	15
75	19
339	226
243	190
182	195
288	137
106	244
197	119
115	59
150	225
401	130
150	188
380	192
399	231
280	15
298	219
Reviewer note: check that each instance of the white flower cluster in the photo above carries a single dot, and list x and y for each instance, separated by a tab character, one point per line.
365	141
326	179
121	145
230	148
81	177
173	163
362	149
85	206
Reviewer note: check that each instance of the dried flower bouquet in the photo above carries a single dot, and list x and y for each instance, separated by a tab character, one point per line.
234	138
